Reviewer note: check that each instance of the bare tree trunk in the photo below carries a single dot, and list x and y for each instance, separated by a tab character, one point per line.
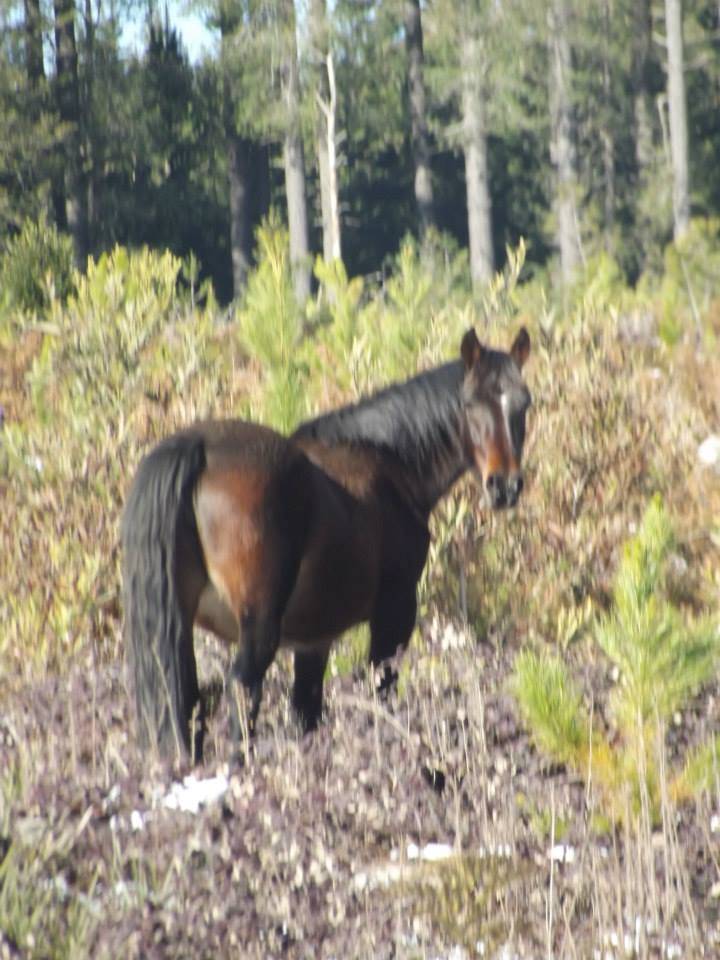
418	117
677	104
479	204
325	96
239	169
642	95
295	162
606	134
562	146
68	97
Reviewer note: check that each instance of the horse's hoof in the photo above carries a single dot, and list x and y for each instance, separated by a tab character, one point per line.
387	683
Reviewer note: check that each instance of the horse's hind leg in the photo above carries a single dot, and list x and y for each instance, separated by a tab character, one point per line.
259	641
307	692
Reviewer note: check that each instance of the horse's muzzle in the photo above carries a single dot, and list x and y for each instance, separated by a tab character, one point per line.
514	489
496	490
503	492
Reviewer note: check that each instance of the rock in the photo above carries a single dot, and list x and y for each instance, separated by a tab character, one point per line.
709	452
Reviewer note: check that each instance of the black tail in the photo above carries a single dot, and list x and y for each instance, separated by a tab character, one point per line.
158	518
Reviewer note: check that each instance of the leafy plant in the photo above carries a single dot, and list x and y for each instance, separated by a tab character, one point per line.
270	327
660	657
36	267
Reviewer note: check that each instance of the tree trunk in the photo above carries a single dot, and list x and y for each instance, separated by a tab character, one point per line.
68	98
642	95
677	105
295	162
418	118
479	205
326	136
562	147
34	43
93	147
607	137
239	151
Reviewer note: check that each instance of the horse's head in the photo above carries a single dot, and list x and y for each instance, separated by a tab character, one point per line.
495	401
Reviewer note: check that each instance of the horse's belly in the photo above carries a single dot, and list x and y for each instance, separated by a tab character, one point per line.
335	589
214	614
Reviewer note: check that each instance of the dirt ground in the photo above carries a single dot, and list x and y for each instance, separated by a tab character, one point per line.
317	846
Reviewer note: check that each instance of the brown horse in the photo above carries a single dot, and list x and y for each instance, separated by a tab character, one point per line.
272	541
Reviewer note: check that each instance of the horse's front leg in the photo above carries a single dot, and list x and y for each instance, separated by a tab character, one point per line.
391	626
307	695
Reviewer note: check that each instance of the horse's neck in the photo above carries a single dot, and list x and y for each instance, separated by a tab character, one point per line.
431	479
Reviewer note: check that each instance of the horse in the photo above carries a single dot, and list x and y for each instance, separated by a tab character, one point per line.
276	541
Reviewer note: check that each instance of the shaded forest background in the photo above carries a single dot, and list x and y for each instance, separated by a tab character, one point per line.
582	127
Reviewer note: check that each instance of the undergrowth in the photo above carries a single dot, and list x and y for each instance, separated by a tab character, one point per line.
624	382
660	655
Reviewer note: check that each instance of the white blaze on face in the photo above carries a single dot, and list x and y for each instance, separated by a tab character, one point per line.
505	407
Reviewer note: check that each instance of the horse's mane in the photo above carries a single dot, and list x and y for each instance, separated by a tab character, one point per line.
410	420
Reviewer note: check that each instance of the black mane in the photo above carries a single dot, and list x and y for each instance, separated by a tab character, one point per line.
412	420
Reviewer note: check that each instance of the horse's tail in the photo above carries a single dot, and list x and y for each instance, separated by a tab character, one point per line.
158	520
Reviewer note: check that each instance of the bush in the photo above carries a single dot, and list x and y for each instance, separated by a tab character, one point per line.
270	327
36	268
660	658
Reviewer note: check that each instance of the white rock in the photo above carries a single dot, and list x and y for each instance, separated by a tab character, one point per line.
192	793
137	821
709	451
561	853
431	851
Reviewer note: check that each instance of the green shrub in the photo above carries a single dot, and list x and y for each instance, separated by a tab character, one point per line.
271	329
690	282
660	657
36	267
123	361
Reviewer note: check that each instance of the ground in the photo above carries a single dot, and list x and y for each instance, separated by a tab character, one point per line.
307	852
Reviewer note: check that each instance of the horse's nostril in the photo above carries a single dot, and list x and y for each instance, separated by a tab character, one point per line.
515	486
495	484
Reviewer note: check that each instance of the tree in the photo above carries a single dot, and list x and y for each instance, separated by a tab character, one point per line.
376	177
33	43
562	144
293	155
677	108
68	100
28	130
238	157
418	115
475	148
641	85
326	125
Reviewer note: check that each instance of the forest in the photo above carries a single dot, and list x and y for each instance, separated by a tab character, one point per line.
323	205
581	127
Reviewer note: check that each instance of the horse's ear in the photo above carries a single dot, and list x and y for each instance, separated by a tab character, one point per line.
470	349
520	350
